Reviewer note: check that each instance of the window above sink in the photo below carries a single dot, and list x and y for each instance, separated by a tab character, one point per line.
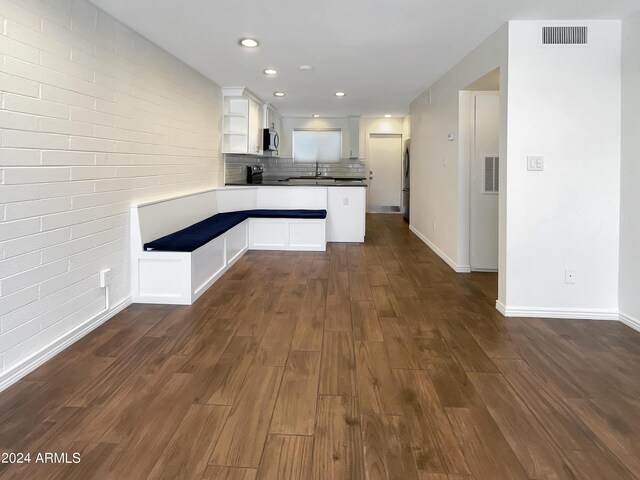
317	145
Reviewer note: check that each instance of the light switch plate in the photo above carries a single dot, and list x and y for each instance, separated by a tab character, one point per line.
535	163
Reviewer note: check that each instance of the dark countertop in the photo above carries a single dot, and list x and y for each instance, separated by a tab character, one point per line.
298	182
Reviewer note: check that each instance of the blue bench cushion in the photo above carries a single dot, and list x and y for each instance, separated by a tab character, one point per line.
287	213
193	237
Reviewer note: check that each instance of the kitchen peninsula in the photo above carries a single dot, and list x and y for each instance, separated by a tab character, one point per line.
346	202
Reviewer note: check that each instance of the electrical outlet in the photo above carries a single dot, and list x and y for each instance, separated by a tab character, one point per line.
105	277
345	201
569	276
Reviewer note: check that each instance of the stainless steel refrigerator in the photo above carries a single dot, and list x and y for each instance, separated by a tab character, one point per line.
406	172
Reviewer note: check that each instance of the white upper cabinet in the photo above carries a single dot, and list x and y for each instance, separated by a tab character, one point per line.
255	127
241	122
354	137
273	121
272	118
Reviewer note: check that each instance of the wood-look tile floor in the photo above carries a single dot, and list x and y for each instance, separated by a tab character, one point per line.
368	361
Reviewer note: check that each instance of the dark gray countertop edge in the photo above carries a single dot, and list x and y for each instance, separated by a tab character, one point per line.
311	183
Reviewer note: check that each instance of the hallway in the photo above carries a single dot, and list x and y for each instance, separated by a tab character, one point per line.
365	361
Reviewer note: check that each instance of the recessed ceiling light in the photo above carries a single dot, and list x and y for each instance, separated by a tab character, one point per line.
340	94
306	67
315	115
278	94
249	42
387	116
270	71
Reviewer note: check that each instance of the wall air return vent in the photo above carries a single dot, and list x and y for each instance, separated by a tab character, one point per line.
564	35
491	174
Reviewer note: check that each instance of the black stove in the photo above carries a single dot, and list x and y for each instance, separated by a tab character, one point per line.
255	173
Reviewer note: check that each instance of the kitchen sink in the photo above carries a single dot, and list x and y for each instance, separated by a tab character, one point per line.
312	180
320	180
327	181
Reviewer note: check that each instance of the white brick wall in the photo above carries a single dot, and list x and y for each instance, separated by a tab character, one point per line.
92	117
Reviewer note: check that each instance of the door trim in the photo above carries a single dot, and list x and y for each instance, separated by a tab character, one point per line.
382	208
472	176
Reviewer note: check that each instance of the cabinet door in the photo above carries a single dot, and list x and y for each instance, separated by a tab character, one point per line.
272	118
268	117
346	214
277	123
255	127
354	137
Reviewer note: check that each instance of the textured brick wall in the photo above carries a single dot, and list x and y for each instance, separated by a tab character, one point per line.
93	116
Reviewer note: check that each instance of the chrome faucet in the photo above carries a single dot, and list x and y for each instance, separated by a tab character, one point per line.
317	170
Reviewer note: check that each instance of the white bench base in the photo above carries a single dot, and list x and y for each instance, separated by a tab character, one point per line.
287	234
179	278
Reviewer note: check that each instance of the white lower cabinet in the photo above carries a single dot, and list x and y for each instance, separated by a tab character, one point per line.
346	214
287	234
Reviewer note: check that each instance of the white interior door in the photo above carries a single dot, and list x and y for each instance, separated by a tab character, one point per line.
385	173
484	179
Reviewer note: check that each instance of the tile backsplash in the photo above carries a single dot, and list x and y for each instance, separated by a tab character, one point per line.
236	167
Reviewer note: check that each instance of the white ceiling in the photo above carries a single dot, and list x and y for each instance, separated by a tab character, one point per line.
382	53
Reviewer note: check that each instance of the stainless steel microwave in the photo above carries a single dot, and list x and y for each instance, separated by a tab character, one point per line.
270	140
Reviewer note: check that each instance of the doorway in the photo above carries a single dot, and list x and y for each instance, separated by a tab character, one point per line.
485	180
385	173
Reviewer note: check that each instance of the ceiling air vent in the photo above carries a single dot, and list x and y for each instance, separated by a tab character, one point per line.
564	35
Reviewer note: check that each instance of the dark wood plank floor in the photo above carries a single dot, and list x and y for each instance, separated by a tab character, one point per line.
368	361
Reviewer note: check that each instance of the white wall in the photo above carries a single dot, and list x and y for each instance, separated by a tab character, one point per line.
564	103
406	126
370	125
439	167
367	124
93	116
630	177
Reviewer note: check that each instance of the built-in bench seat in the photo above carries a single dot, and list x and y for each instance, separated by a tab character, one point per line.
195	236
181	245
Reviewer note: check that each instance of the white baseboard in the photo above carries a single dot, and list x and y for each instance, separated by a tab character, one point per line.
576	314
567	313
630	321
15	373
440	253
